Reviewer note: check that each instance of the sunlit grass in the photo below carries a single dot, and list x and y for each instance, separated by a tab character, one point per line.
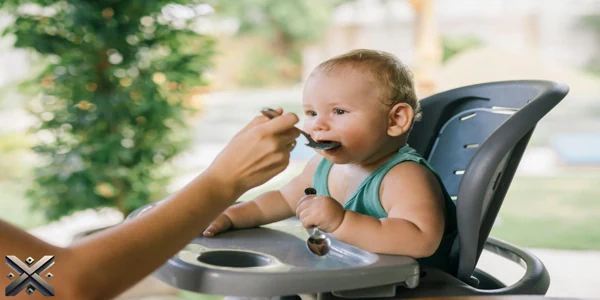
558	212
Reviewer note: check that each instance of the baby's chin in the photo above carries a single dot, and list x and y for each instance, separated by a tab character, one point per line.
335	157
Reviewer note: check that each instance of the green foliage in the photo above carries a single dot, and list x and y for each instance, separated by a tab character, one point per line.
14	150
109	100
455	45
263	68
592	23
293	21
13	209
284	26
555	212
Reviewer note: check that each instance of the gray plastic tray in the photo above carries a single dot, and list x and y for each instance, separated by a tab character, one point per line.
273	260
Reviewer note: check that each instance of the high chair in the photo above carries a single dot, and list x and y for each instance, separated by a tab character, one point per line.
474	137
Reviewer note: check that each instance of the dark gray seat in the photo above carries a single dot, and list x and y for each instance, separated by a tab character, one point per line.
475	136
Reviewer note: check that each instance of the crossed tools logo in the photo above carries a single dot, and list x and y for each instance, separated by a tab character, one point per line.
29	278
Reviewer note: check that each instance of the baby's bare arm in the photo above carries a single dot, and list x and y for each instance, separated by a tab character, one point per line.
413	198
294	191
264	209
273	206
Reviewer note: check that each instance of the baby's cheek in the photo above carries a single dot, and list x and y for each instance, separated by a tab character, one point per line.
357	137
306	127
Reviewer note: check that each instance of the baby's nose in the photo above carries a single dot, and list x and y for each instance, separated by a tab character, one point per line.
320	124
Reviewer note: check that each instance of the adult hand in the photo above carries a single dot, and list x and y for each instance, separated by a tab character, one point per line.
254	155
257	153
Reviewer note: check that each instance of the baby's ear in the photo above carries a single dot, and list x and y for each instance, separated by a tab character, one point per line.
400	119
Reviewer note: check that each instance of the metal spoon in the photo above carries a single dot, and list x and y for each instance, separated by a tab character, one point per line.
318	243
270	113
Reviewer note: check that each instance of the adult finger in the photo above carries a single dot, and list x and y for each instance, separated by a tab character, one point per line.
289	135
280	124
256	121
261	119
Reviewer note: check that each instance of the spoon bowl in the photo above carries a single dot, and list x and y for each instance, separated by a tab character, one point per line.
318	243
270	113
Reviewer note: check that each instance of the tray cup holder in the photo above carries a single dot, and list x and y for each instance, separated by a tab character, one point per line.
234	259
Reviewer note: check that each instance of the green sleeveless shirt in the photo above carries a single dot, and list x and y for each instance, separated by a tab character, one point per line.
365	200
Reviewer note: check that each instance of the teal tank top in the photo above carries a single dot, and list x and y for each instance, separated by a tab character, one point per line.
365	200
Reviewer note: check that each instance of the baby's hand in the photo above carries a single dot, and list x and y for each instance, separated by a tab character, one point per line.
220	224
320	211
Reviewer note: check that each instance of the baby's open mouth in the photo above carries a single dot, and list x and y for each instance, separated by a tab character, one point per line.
325	141
334	144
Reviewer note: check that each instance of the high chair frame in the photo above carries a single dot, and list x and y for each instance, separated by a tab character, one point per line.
474	137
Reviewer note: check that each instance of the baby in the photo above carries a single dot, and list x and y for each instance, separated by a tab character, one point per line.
374	191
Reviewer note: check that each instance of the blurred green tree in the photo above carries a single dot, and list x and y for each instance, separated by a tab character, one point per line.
454	45
285	26
592	23
110	98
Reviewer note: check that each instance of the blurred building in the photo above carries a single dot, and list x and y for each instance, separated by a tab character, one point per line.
549	29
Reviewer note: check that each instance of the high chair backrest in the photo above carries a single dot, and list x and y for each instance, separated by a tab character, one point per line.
474	137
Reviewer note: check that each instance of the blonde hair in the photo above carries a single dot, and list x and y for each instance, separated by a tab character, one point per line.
394	77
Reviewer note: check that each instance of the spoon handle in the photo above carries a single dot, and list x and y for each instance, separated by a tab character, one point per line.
310	191
269	113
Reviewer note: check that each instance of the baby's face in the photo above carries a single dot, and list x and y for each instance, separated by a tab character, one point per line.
344	106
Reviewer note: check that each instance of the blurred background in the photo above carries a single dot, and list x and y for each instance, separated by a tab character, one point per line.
108	105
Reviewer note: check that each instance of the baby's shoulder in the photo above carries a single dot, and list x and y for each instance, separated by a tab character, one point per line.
311	166
409	182
408	173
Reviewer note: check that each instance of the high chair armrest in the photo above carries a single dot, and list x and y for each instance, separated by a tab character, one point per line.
536	279
435	283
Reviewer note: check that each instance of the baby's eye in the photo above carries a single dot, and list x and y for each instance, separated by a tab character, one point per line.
339	111
311	113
